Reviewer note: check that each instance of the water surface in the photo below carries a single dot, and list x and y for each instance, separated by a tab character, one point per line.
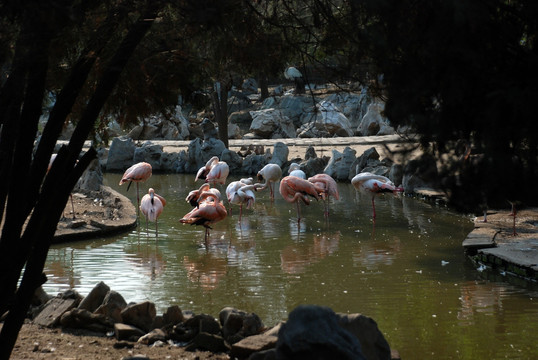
408	271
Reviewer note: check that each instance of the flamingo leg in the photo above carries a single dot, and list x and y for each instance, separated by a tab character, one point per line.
138	203
240	211
298	211
271	190
373	205
156	229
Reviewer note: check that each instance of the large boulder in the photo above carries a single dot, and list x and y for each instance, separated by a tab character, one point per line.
271	123
150	153
353	106
374	123
329	118
314	332
120	154
340	163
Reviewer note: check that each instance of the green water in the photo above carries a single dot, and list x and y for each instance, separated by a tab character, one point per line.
394	271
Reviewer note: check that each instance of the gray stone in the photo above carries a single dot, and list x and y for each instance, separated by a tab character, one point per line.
173	315
140	315
252	344
280	153
340	163
237	324
253	163
153	336
54	309
92	178
95	298
83	319
120	154
127	332
207	342
420	173
112	306
150	153
313	332
233	159
373	343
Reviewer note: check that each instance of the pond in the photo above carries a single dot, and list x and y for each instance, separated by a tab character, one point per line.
407	271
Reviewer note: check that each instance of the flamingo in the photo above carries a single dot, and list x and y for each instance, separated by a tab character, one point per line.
293	189
294	170
241	192
139	172
214	171
328	184
210	211
373	184
152	206
52	158
194	195
271	173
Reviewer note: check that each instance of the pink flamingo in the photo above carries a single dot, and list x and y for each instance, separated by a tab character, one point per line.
329	186
293	189
372	185
214	171
194	195
152	206
210	211
139	172
241	192
271	173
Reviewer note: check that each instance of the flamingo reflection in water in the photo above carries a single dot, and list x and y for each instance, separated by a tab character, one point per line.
210	210
297	257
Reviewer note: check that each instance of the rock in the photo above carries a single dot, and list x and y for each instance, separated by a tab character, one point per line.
313	332
353	106
253	163
120	154
127	332
420	173
92	178
150	153
330	119
153	336
396	174
211	147
95	298
270	123
373	343
233	159
169	161
173	316
310	153
294	107
280	153
140	315
237	324
112	306
253	344
187	330
249	86
373	121
207	342
209	130
362	161
339	165
242	119
54	309
314	166
84	319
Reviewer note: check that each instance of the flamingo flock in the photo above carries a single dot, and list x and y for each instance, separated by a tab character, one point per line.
207	203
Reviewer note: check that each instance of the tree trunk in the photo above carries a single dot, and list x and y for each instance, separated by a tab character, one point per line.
220	108
31	248
264	88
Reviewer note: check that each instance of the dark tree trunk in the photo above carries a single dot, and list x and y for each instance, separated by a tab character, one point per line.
47	201
220	108
264	87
